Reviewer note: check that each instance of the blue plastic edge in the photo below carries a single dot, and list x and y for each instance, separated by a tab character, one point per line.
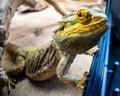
97	82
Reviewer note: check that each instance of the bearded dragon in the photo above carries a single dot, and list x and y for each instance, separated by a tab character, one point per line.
77	33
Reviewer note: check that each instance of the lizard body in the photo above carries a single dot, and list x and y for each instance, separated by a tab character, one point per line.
77	33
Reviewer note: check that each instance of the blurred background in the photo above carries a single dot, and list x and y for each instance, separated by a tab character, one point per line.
34	27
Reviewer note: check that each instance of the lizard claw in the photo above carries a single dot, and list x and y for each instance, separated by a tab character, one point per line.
11	84
82	83
93	50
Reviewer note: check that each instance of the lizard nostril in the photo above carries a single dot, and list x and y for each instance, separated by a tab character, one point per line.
94	18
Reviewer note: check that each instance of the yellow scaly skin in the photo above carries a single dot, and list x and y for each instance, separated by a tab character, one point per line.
77	33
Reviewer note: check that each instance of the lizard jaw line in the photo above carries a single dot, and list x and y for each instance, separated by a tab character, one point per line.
95	26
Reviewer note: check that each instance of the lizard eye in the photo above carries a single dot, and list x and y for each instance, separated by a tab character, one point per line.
82	14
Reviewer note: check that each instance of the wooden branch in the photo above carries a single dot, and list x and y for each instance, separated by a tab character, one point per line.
56	6
7	10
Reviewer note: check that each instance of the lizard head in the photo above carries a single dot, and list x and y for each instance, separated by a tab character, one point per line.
81	31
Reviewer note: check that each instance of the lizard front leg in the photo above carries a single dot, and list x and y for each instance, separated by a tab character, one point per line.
62	72
63	67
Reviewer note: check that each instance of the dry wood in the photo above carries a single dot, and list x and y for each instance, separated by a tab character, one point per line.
7	11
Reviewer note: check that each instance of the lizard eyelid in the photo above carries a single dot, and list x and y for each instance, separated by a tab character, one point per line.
80	14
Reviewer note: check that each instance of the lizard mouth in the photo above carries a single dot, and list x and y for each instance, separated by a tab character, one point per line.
96	26
91	28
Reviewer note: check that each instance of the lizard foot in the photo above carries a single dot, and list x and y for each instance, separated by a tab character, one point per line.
11	84
82	83
93	50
